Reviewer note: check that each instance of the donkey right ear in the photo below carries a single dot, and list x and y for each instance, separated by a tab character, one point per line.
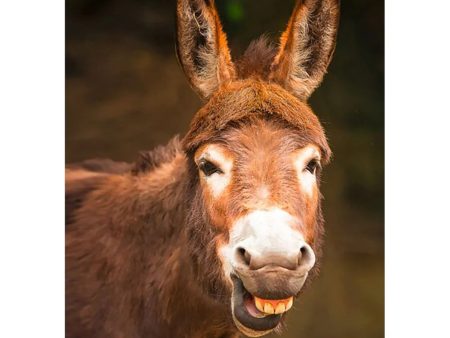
202	46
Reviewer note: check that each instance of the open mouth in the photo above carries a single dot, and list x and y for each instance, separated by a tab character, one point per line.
256	316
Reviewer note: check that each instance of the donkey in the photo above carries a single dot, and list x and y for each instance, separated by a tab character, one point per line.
216	233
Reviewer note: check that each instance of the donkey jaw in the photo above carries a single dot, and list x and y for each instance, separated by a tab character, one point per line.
254	316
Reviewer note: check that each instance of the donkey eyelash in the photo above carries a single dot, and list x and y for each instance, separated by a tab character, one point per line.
312	166
208	168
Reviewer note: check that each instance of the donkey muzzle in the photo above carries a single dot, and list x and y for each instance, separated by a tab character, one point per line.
269	254
271	282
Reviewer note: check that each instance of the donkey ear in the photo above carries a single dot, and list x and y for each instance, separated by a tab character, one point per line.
306	46
202	46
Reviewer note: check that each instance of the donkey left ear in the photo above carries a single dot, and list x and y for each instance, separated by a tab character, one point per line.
306	46
202	46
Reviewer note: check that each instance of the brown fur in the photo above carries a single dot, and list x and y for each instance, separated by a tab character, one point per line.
257	59
250	97
142	239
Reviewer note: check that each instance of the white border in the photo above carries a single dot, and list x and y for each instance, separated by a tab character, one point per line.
32	168
417	169
32	151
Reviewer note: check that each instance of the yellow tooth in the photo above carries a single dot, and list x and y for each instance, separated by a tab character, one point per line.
280	308
289	304
268	308
259	305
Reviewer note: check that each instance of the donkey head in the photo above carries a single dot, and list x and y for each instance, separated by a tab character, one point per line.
255	152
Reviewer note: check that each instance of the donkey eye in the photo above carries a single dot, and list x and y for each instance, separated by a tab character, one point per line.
209	168
312	166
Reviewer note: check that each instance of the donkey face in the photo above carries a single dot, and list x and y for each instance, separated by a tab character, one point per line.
256	152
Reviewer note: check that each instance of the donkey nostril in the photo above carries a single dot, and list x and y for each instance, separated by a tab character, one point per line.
305	257
244	256
302	255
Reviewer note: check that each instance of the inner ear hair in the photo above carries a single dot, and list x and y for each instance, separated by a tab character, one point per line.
306	46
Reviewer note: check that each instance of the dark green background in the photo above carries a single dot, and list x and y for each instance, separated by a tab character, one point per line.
126	92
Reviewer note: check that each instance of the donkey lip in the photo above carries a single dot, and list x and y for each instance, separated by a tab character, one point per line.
249	319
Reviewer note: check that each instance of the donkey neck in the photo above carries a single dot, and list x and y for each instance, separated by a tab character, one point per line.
175	300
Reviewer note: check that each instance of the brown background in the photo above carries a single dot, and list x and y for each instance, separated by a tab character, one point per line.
125	92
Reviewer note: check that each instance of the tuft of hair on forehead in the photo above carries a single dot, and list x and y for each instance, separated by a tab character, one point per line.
249	100
257	127
257	59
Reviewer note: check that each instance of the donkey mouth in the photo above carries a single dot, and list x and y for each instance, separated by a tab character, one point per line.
255	316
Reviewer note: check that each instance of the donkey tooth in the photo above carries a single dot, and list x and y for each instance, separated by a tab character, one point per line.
268	308
280	308
259	305
289	303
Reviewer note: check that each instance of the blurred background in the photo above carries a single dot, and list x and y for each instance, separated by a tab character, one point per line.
125	92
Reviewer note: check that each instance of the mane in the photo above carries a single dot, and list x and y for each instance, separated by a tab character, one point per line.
100	165
151	159
84	177
257	59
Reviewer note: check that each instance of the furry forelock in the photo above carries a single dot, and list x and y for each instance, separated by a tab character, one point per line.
257	59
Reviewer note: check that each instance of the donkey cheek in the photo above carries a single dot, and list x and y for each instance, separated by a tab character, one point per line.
311	204
218	214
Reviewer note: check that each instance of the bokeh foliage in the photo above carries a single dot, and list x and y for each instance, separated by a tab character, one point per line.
125	92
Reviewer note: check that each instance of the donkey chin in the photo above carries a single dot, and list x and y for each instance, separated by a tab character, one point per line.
267	269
